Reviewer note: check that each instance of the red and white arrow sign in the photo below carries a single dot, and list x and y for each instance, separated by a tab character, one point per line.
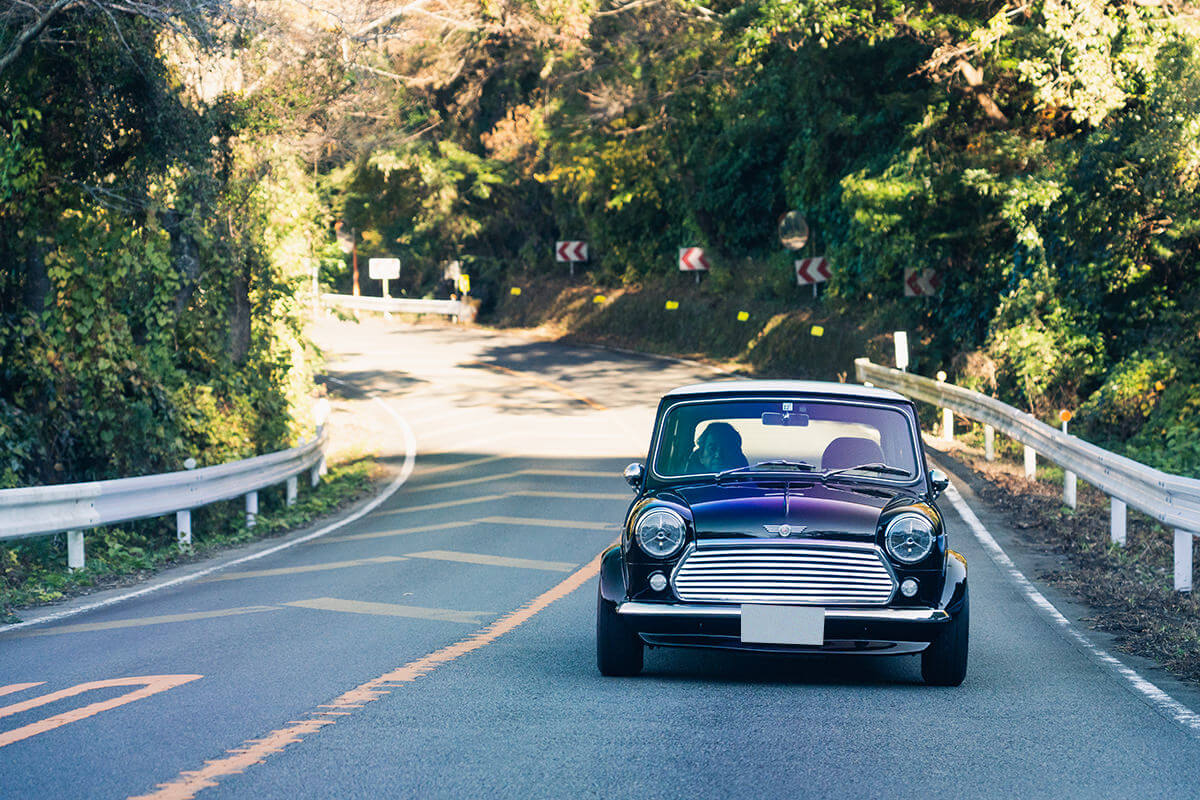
691	259
920	282
571	251
812	270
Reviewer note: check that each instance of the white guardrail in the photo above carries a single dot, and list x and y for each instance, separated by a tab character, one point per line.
1171	499
42	510
396	305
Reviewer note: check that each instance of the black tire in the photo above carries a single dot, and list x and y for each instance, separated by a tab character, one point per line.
619	651
944	662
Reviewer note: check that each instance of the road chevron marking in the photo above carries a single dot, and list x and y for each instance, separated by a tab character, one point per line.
18	687
1155	696
391	610
139	622
538	522
495	561
150	684
255	751
271	573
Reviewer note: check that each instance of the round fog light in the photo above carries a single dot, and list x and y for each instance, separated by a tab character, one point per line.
658	581
908	588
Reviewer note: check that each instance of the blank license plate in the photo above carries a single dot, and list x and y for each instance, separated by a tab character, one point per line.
783	625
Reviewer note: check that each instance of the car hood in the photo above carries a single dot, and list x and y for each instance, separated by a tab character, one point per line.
741	510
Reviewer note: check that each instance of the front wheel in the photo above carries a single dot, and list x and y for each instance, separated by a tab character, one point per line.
944	662
619	651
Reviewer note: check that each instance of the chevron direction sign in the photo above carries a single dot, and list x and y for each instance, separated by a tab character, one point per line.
691	259
920	282
571	251
812	270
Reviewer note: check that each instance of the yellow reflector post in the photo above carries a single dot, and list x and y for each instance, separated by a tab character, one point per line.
599	299
743	316
672	305
817	330
515	291
1064	415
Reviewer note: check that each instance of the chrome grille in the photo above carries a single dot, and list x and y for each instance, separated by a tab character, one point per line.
798	573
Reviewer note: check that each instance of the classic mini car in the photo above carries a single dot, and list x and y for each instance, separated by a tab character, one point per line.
785	516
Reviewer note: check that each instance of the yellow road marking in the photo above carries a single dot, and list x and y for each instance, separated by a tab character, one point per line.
487	498
140	622
576	495
529	378
461	464
18	687
500	476
496	561
441	526
537	522
150	684
271	573
391	610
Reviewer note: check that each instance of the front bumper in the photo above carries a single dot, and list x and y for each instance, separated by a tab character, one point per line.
875	630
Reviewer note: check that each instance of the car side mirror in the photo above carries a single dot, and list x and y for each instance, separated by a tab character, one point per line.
634	474
939	481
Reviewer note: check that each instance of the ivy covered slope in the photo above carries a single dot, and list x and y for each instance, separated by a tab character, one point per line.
1041	156
152	236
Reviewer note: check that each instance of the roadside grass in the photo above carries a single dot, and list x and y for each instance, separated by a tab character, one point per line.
33	571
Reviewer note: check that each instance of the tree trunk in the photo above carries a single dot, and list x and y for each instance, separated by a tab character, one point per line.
239	316
185	255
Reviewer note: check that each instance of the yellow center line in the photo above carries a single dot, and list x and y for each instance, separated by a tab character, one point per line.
528	378
271	573
255	751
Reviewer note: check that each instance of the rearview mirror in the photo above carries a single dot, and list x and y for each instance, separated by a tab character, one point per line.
775	418
634	474
938	480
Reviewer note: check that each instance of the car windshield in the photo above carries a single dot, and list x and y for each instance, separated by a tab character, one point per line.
777	435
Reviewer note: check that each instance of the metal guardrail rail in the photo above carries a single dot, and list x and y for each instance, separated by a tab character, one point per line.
42	510
1171	499
395	305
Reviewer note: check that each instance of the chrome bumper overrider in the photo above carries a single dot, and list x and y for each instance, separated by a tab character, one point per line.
725	611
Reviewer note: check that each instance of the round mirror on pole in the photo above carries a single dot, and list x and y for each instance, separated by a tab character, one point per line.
793	230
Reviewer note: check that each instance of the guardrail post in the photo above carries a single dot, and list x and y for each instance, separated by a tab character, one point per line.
183	529
251	509
1183	560
74	550
1117	513
292	490
1030	463
989	442
947	414
1069	485
314	475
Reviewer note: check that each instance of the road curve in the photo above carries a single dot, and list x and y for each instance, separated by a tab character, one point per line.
442	644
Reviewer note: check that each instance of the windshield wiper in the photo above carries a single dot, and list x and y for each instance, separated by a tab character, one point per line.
875	466
804	466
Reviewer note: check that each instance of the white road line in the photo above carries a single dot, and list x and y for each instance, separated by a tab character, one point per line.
574	495
410	460
391	610
272	573
354	537
1151	693
466	501
495	561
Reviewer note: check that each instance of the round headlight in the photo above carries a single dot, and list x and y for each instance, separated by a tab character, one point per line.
909	537
660	532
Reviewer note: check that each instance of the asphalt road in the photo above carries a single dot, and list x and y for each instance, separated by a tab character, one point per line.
442	644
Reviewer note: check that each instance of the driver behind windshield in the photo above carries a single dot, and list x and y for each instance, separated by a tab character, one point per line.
718	448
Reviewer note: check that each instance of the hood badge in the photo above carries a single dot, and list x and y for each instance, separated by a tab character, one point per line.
785	529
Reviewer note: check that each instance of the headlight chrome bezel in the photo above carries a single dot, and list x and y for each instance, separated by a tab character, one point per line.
925	527
645	530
